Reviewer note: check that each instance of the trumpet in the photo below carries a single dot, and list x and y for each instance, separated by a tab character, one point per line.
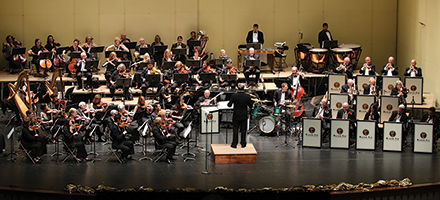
389	66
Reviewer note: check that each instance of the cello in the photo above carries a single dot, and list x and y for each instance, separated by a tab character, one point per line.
19	59
45	63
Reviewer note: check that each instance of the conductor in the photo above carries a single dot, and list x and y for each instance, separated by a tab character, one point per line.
241	102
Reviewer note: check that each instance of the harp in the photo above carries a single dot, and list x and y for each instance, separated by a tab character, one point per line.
50	86
21	105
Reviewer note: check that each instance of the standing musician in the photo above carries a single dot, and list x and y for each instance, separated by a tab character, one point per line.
110	66
72	137
142	111
163	95
204	70
179	45
229	70
390	69
51	44
83	114
400	92
150	69
413	71
241	102
255	36
371	88
10	44
180	69
323	112
347	113
157	56
191	47
251	70
295	79
222	56
74	48
82	71
118	46
31	140
137	49
118	137
324	35
368	68
432	118
345	68
34	52
119	73
399	115
163	138
281	95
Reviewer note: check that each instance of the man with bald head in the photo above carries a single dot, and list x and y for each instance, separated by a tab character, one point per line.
413	71
368	68
323	112
347	113
142	44
368	89
390	69
345	68
251	70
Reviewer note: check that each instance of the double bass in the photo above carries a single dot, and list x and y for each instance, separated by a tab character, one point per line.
297	109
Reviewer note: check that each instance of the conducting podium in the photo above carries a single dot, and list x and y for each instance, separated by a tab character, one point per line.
335	83
366	135
340	133
392	136
415	89
312	132
423	137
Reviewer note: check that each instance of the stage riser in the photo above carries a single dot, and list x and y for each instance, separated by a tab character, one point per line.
231	159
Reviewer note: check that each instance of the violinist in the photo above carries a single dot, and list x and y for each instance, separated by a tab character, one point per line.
31	140
412	70
46	115
84	115
10	44
180	69
206	69
156	110
34	52
250	70
142	111
110	66
119	140
51	44
169	125
119	73
179	45
82	71
163	138
179	112
229	70
126	123
150	69
164	96
138	76
98	107
74	48
72	137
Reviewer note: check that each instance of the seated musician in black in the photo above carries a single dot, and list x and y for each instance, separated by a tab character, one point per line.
179	45
31	140
119	73
138	76
10	43
345	68
142	111
74	48
51	43
413	71
324	113
180	111
390	69
180	85
399	115
98	108
156	110
399	92
163	96
82	71
34	52
205	100
118	137
110	66
347	113
222	56
432	118
84	115
137	49
206	69
281	95
163	139
349	89
368	68
150	69
230	69
371	88
72	137
251	70
373	115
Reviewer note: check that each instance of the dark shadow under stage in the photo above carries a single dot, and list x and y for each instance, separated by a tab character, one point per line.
275	167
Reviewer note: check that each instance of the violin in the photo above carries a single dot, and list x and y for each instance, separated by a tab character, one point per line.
34	127
182	70
232	70
208	70
154	71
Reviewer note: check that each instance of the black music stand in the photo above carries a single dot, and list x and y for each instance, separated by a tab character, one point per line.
195	64
159	49
280	81
92	64
194	43
46	55
124	82
180	77
130	45
119	54
144	50
179	51
169	64
254	63
254	45
141	66
220	61
60	50
99	49
153	79
74	55
125	62
229	77
208	77
330	44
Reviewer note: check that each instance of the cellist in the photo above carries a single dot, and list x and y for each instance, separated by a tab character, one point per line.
34	52
74	48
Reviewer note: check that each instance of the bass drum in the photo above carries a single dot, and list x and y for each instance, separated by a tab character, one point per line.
267	124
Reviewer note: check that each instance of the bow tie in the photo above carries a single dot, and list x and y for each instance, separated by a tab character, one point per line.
255	32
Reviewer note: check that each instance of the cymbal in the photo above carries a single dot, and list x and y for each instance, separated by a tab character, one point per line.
262	101
291	106
252	95
287	101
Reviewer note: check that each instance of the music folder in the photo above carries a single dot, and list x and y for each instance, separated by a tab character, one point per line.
179	51
99	49
194	43
180	77
130	45
169	64
254	45
144	50
194	63
207	77
229	77
255	63
21	50
220	61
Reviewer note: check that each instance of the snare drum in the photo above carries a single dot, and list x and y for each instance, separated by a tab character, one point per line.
267	124
341	53
277	111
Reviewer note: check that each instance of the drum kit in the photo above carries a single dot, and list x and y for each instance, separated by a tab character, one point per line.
315	59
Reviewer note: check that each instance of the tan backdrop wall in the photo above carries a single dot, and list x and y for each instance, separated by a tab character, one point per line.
371	23
420	42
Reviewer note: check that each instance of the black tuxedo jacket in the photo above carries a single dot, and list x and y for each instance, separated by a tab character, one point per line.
157	134
435	120
367	89
249	38
176	44
241	103
322	36
351	114
372	70
290	79
385	71
116	134
374	116
327	112
418	74
403	119
344	88
277	95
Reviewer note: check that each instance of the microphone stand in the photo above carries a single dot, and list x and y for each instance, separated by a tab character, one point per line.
57	146
206	172
94	147
285	143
